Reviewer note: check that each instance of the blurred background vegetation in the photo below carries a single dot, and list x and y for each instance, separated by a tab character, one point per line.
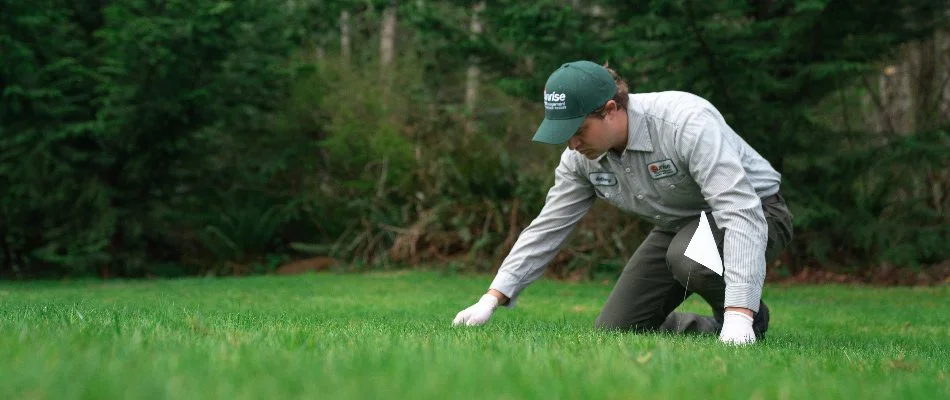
180	137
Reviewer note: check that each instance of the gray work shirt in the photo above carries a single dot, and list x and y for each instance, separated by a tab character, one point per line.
681	159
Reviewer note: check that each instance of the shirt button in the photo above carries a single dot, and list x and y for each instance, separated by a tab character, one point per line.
628	169
672	186
606	194
640	196
657	217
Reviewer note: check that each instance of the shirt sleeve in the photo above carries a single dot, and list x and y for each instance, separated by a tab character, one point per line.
567	202
715	164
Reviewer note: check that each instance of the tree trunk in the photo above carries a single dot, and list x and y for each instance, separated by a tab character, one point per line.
471	81
924	84
345	37
912	94
901	96
940	109
387	37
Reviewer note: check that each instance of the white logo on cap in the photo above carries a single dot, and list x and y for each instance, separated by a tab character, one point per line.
555	101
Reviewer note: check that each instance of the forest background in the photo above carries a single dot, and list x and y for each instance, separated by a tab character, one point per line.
159	138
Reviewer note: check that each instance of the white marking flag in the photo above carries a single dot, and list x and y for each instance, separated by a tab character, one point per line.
702	247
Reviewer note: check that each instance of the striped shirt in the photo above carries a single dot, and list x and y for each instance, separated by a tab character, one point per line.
681	159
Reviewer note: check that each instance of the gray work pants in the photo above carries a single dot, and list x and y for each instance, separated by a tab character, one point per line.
654	281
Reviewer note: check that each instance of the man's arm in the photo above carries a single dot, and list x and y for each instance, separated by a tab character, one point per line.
567	202
714	163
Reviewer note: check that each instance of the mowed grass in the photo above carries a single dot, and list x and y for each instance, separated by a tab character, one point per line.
389	335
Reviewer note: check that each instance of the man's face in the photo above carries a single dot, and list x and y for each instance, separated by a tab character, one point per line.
592	139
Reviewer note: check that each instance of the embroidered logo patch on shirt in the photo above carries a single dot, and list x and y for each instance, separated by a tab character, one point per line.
661	169
603	178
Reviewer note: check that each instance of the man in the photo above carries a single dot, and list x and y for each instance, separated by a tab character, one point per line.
665	157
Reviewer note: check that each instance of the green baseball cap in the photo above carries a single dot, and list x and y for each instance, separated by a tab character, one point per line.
571	92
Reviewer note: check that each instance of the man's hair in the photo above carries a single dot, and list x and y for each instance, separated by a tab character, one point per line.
620	97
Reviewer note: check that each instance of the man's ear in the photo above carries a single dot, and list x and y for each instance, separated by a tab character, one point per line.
610	107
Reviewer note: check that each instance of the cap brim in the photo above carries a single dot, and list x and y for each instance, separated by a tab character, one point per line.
557	131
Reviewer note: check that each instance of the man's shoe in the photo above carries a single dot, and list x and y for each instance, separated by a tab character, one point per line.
760	323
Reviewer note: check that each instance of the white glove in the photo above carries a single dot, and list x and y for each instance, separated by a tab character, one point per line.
477	313
736	328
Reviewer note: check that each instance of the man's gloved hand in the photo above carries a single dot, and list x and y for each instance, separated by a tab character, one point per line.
478	313
736	328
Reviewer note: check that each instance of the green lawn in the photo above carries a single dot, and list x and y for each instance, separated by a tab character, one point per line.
390	336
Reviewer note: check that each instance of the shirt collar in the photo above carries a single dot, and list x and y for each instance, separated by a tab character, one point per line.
638	137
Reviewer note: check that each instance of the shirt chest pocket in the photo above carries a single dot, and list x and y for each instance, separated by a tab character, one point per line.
672	183
678	189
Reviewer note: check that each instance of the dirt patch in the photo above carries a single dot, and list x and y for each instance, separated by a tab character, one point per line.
315	264
883	275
